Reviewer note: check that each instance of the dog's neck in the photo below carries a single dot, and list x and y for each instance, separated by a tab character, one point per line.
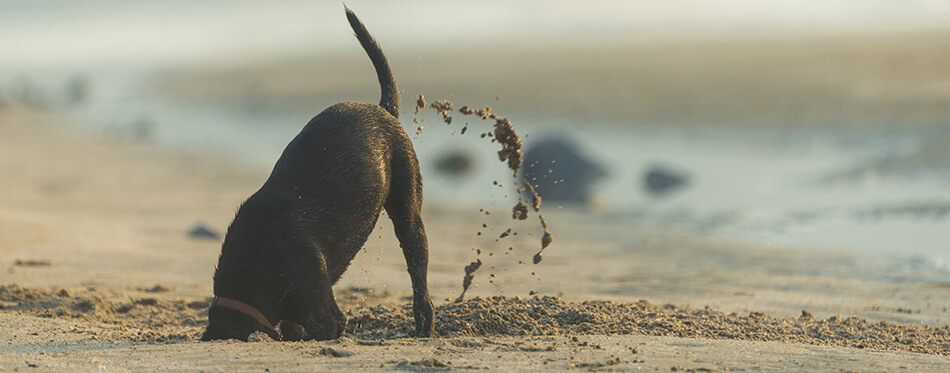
248	310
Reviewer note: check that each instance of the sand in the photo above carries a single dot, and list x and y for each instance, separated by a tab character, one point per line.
99	271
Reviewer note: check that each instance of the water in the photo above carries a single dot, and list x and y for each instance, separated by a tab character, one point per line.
762	188
819	188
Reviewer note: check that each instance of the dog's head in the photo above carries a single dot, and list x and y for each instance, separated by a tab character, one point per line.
225	323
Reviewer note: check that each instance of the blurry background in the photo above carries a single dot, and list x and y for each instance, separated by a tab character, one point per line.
792	123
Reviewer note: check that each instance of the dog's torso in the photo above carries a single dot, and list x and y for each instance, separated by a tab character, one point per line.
326	192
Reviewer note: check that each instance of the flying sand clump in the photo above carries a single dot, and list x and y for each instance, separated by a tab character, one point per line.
469	276
504	133
440	106
536	204
420	104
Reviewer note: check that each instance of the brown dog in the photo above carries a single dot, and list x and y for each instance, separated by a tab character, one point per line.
294	238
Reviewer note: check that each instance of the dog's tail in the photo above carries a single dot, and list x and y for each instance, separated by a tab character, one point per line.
390	94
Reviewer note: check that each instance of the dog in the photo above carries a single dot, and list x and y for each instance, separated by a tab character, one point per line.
293	239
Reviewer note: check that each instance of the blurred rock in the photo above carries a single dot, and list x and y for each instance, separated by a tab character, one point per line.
142	129
24	92
202	232
559	172
77	90
660	181
455	164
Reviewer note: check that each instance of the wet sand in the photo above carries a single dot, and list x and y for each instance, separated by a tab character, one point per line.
99	270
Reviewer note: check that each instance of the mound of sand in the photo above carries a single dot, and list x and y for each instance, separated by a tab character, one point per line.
147	316
541	316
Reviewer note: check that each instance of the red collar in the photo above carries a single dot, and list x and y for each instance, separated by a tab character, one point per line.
247	309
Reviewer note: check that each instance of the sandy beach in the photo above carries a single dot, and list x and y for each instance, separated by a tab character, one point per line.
100	271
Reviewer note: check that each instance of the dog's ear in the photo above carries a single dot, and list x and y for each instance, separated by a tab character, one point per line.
224	323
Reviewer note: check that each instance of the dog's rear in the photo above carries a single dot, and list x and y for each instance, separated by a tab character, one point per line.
293	239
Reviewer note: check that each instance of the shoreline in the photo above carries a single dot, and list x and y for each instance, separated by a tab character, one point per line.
872	80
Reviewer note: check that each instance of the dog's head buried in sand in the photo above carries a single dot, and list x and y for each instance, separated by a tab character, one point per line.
293	239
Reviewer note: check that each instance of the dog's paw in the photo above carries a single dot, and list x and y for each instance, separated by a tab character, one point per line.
291	331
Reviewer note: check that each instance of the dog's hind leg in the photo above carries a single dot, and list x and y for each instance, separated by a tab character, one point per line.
404	206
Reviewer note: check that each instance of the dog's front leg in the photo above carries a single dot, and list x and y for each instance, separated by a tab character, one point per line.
310	305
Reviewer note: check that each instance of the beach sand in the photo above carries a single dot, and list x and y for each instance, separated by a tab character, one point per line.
99	271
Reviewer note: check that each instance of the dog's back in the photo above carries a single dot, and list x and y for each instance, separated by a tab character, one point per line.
335	177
